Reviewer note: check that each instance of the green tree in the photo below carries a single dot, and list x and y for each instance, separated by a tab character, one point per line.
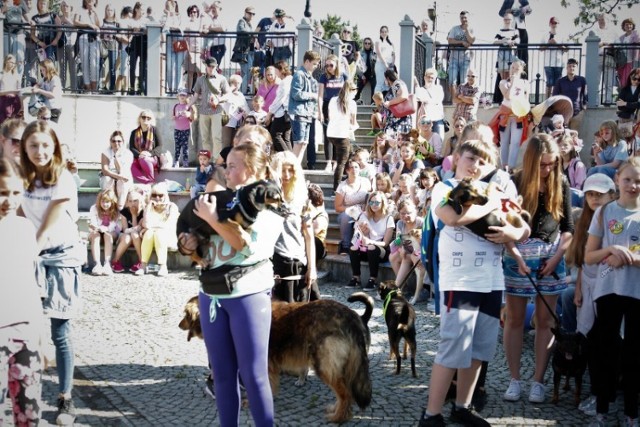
590	9
333	24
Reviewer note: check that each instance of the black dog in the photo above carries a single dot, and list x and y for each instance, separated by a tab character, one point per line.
466	194
570	360
241	206
400	317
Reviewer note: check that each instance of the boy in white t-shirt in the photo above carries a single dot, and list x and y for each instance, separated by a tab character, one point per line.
471	284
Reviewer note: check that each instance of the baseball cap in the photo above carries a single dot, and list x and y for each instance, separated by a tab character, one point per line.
205	153
278	13
553	20
211	62
598	182
183	91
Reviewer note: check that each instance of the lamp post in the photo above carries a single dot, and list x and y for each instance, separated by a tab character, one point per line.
432	12
307	9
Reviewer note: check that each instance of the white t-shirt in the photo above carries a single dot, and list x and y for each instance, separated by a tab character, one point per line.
125	159
552	55
378	228
34	205
340	123
468	262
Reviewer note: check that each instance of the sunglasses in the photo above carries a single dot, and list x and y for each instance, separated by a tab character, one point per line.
145	117
635	78
251	13
117	140
471	75
45	118
426	122
157	196
15	141
547	165
374	202
329	66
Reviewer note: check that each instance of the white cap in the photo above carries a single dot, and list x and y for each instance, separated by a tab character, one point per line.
599	182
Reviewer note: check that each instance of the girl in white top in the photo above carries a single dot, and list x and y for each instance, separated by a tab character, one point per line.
235	104
386	58
50	87
116	168
342	123
50	202
105	221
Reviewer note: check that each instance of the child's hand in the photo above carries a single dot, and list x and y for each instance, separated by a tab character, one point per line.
206	208
577	297
523	268
623	254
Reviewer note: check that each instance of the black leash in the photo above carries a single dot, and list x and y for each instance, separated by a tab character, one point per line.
404	282
546	304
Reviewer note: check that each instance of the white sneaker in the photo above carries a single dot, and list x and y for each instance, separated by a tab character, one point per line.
162	271
591	410
589	402
536	394
106	269
97	270
141	271
513	392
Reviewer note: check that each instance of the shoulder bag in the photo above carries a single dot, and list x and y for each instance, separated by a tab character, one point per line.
404	108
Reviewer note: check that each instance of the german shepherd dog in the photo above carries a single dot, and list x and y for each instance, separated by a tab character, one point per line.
323	334
240	207
466	194
400	317
570	360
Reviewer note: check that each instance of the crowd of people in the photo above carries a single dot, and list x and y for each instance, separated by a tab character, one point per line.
381	196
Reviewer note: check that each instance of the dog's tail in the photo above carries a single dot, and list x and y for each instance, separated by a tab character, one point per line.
368	305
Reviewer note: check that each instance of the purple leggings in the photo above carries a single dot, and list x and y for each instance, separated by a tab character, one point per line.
238	343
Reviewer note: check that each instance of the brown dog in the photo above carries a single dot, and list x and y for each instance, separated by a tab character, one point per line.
323	334
400	317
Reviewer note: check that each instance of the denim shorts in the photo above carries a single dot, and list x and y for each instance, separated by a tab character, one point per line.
300	131
552	75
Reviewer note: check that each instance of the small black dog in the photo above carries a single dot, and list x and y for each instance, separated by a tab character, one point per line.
400	317
241	206
570	360
466	194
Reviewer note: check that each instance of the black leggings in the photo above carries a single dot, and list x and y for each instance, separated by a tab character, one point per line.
611	309
372	256
280	130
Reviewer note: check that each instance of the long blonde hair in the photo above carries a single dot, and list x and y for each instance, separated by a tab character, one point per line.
295	191
529	182
344	96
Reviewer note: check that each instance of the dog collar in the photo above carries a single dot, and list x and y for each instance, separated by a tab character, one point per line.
387	300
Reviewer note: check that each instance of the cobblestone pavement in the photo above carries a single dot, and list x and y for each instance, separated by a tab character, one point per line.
134	366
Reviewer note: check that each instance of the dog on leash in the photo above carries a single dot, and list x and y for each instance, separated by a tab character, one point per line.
325	335
400	317
240	208
570	361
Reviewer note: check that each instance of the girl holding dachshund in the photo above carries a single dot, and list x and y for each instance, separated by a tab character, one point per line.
236	324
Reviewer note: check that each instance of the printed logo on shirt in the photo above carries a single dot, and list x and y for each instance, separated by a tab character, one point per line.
615	227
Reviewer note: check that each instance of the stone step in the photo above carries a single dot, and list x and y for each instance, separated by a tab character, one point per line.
87	198
340	268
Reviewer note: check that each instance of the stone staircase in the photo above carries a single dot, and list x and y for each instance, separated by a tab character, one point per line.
334	267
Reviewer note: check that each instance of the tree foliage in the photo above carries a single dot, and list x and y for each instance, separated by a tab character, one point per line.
588	11
333	24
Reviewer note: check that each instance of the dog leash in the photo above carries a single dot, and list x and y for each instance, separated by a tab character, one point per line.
387	300
406	278
546	304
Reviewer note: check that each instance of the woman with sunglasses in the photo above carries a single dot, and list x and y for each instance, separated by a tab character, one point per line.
385	59
366	76
159	223
116	168
146	146
627	102
374	234
329	84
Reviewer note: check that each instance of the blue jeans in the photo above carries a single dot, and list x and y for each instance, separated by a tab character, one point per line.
569	320
281	54
346	230
552	74
300	131
174	63
245	70
61	337
607	170
458	70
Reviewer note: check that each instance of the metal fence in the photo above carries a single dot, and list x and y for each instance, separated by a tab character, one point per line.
115	60
616	63
487	59
420	52
324	48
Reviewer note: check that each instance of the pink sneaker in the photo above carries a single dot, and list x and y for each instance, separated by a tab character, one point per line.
117	267
135	267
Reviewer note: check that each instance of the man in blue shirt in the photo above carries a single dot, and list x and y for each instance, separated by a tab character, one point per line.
574	87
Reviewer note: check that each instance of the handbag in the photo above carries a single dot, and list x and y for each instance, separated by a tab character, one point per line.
404	108
239	57
221	280
446	125
180	46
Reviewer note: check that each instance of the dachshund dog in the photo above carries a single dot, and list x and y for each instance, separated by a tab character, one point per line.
323	334
570	360
400	317
466	194
240	207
